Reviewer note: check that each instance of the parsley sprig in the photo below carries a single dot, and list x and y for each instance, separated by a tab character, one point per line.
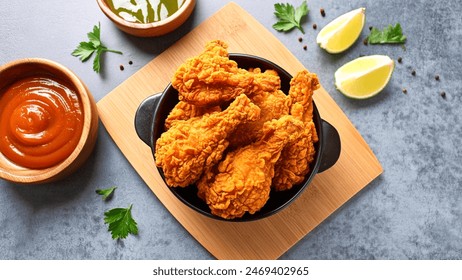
120	222
389	35
85	49
289	17
106	193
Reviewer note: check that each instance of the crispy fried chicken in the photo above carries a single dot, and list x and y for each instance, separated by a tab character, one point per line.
185	111
272	102
264	138
242	181
295	160
191	146
211	78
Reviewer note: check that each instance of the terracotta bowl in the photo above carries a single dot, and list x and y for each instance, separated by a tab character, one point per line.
150	29
15	70
149	124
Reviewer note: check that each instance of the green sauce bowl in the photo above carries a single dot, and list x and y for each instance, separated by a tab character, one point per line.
149	29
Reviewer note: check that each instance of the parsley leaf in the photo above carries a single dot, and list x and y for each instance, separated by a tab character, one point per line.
95	36
106	193
389	35
289	17
85	49
120	222
96	61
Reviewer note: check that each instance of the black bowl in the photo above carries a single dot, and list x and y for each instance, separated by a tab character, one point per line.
149	124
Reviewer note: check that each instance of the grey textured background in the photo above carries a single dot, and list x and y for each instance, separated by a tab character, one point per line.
412	211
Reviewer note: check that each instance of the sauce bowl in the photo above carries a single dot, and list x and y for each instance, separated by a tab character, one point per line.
149	125
153	29
23	69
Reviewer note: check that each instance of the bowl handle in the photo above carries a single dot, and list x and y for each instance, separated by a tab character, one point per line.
331	146
143	118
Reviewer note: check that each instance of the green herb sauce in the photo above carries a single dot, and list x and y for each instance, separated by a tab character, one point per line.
144	11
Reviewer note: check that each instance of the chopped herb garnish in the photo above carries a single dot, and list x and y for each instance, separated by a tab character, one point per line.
121	222
289	17
106	193
85	49
389	35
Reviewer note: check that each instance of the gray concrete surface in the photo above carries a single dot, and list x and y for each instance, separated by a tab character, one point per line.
412	211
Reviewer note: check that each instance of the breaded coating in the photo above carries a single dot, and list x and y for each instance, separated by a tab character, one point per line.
295	160
184	111
191	146
273	105
211	78
272	102
242	181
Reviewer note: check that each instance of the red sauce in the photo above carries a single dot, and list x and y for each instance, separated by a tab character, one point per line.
41	121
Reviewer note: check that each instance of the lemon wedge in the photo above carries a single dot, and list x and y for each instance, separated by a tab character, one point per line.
339	34
364	77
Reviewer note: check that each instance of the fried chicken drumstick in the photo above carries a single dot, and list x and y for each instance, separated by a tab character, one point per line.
191	146
185	111
242	181
270	99
295	159
211	78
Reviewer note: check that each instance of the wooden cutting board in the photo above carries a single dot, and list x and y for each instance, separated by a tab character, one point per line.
268	238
